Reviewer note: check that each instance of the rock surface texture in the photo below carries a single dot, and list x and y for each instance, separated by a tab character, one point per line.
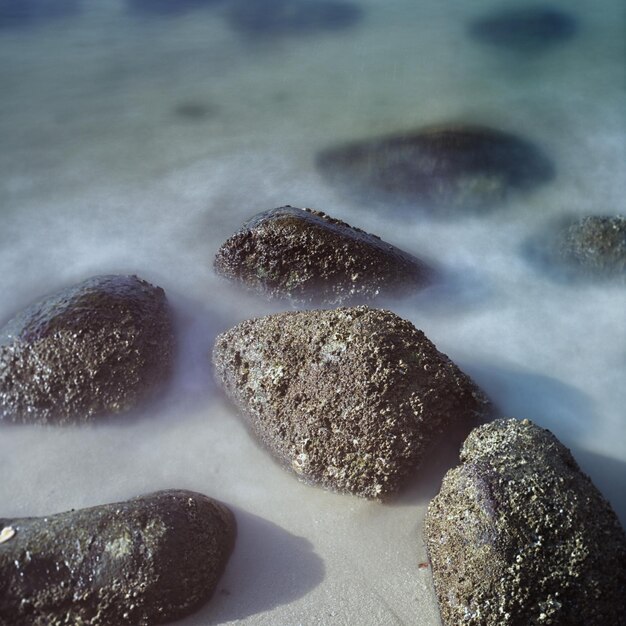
519	536
149	560
348	399
99	347
590	247
446	169
307	256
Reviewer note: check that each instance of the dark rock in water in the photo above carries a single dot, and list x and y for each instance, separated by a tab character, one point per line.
195	111
149	560
449	169
291	17
99	347
592	247
518	535
167	7
307	256
349	399
525	28
16	13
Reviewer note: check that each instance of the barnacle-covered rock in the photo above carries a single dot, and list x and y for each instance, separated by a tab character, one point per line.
149	560
519	536
349	399
99	347
307	256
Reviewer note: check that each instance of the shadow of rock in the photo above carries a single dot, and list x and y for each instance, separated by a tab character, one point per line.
268	568
608	475
18	13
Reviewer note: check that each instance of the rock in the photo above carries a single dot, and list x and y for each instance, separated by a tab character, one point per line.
149	560
447	169
102	346
348	399
291	17
525	29
18	13
518	535
307	256
167	7
589	247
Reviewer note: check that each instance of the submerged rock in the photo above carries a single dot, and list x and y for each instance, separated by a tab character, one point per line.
448	168
518	535
291	17
167	7
525	28
16	13
153	559
99	347
307	256
348	399
589	247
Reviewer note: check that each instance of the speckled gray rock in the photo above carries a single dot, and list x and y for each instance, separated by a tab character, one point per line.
446	169
592	247
519	536
99	347
149	560
349	399
307	256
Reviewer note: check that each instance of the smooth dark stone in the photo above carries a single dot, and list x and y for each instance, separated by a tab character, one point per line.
588	248
291	17
102	346
150	560
16	13
349	399
446	169
167	7
524	28
307	256
518	535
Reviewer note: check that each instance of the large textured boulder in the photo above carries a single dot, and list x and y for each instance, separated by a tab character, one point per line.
519	536
446	169
149	560
349	399
525	28
592	247
307	256
271	18
99	347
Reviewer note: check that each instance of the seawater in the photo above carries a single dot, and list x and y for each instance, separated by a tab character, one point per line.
138	142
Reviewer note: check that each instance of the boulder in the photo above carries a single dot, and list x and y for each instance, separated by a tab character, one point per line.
446	169
102	346
307	256
149	560
349	399
519	536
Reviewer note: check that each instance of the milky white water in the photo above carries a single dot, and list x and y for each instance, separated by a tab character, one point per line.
99	174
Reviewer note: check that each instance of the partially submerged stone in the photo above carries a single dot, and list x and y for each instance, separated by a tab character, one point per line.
446	169
271	18
589	247
525	28
149	560
307	256
518	535
102	346
349	399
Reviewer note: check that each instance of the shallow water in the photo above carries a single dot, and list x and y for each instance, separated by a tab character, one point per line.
137	141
